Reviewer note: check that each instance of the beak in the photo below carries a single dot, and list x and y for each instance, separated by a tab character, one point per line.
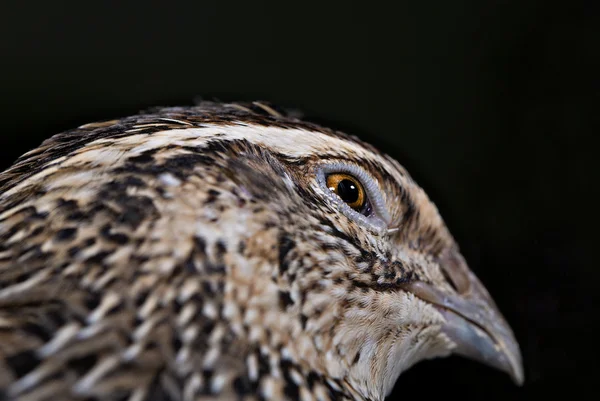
473	321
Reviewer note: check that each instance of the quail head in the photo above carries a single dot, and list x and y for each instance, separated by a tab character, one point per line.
227	251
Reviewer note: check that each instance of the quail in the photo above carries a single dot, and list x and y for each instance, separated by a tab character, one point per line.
227	251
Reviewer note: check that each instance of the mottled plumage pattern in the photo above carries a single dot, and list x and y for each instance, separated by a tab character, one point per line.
188	254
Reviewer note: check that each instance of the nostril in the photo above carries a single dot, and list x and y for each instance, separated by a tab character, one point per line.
455	271
449	280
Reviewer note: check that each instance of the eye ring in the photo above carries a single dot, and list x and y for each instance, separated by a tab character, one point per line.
374	215
349	189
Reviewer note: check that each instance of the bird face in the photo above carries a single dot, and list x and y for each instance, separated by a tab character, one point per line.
398	289
247	252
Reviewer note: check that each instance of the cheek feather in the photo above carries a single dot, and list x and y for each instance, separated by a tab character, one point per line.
383	334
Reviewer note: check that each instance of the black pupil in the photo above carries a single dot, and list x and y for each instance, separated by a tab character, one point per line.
348	191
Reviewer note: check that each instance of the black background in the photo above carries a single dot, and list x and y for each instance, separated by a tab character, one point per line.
491	105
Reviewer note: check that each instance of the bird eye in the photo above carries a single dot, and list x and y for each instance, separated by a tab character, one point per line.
349	189
356	193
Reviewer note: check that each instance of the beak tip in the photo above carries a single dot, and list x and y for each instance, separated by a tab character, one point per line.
499	350
519	379
509	349
516	371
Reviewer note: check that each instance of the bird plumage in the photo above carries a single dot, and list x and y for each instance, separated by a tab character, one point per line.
190	253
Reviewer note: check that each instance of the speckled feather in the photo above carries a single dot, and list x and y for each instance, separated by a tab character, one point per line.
187	254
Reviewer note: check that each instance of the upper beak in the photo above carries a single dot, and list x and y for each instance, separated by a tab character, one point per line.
473	321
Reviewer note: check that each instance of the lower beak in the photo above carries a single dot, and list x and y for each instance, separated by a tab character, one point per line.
473	321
